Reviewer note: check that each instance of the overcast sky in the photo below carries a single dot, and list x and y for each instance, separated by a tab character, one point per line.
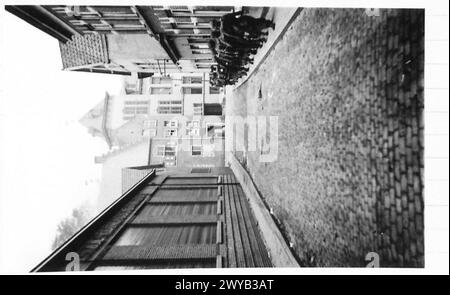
46	157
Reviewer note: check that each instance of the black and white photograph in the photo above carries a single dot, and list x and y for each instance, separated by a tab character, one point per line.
223	137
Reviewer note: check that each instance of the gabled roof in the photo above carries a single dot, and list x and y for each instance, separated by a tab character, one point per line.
56	261
96	120
84	50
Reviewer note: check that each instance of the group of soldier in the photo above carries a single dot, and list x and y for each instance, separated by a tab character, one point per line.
234	39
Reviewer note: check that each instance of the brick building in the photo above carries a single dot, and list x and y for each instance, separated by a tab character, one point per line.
183	219
187	29
118	119
128	39
179	116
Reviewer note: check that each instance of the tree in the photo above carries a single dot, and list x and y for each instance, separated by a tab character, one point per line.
70	225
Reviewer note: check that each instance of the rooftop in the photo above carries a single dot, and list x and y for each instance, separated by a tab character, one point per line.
83	50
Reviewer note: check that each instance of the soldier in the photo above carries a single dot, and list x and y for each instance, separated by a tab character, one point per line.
239	24
233	41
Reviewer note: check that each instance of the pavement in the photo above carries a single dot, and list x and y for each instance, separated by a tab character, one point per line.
347	89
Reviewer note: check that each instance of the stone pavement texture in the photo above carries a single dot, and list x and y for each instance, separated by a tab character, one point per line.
348	90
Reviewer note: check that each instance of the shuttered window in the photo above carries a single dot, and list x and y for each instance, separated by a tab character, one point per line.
168	235
178	209
192	90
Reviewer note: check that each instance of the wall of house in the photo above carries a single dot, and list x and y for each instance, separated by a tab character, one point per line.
131	50
212	145
117	104
111	181
212	152
134	46
130	132
178	86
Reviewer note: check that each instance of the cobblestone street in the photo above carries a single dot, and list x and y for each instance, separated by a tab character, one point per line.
347	88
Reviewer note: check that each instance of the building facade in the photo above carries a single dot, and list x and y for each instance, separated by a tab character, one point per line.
118	119
180	116
184	219
187	29
128	39
187	141
185	94
124	54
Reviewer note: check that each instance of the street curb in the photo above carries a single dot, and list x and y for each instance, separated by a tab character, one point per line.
279	252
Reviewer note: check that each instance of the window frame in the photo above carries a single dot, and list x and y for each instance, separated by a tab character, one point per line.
200	150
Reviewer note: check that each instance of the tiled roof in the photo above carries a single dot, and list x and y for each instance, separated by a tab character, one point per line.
83	50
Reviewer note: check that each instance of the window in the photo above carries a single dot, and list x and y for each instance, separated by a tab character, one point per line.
193	124
192	90
126	118
149	132
200	170
159	235
160	90
129	110
192	80
170	107
131	91
182	20
170	132
201	51
214	90
161	80
170	151
215	130
177	209
141	110
196	150
160	151
207	61
198	109
193	132
193	128
169	110
169	163
199	39
199	46
136	102
150	124
173	124
132	110
170	102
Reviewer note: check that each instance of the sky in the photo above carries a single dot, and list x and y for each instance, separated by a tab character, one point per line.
46	157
